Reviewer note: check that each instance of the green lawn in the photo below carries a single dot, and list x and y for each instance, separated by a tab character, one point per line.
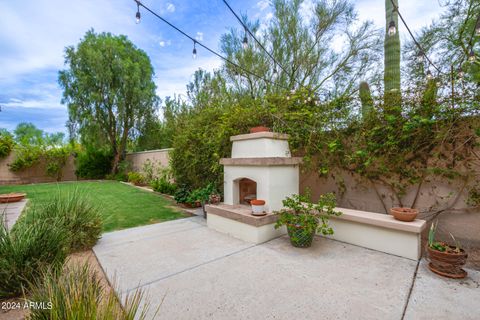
122	206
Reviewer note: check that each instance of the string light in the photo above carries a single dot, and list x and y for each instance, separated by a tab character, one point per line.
137	15
429	75
275	71
471	56
228	61
245	40
392	29
460	73
194	52
420	56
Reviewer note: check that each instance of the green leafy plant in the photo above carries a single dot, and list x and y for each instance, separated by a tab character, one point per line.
6	143
93	163
78	293
182	194
303	218
136	178
25	251
440	245
162	185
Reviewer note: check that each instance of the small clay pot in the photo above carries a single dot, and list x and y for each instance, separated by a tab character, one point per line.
11	197
404	214
257	202
447	264
258	207
259	129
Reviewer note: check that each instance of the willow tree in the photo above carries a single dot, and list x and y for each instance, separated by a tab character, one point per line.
391	76
109	91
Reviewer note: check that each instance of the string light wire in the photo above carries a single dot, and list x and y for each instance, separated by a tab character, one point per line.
140	4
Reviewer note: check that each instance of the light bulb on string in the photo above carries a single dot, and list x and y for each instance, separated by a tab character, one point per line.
429	75
194	52
245	40
392	29
460	73
420	56
137	15
275	71
471	56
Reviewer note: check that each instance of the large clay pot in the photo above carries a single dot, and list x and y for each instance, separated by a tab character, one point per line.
447	264
11	197
404	214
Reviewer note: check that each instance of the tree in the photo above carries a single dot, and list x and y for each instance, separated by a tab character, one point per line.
27	133
303	47
109	91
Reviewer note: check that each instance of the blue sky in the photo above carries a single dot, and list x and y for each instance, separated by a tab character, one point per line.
34	33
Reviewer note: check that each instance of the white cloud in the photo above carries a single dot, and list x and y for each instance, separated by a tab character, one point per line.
199	36
263	4
164	43
170	7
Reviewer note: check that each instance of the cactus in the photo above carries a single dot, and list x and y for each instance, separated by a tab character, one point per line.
392	60
429	98
366	99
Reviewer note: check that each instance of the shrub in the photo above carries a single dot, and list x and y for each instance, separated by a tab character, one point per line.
181	195
25	251
56	159
94	164
77	293
71	211
6	144
136	178
162	185
25	157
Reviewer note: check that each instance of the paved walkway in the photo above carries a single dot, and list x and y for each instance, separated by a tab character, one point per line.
9	212
202	274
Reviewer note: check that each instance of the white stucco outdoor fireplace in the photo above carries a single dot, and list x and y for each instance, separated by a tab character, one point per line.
261	167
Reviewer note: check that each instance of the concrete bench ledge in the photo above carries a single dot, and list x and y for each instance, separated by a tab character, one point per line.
380	220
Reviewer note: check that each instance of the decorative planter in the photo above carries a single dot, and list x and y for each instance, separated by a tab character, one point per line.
259	129
11	197
258	207
448	263
404	214
299	237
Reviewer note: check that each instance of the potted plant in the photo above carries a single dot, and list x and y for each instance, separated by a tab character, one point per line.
215	198
445	260
404	214
258	207
303	218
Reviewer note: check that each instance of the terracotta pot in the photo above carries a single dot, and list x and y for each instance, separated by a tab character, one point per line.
404	214
257	202
11	197
259	129
447	264
258	207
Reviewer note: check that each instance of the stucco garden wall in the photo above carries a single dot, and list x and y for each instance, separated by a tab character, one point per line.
35	174
157	157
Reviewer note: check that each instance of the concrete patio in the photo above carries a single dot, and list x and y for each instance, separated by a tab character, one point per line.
199	273
9	212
